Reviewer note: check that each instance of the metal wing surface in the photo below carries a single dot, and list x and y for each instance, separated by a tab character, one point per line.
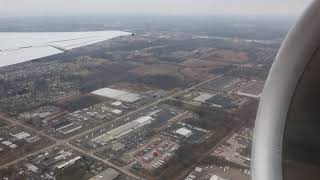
16	47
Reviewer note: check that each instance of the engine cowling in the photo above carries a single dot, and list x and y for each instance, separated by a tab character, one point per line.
286	144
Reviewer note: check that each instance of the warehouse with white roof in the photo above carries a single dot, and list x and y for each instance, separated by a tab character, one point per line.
120	95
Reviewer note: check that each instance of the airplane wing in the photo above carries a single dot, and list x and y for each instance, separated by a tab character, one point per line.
18	47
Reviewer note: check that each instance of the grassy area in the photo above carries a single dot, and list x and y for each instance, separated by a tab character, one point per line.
3	122
79	102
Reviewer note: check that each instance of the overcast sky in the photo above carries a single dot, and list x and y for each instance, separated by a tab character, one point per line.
58	7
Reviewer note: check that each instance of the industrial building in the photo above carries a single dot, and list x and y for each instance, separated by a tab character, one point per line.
222	84
18	140
216	100
214	172
58	163
40	113
68	163
70	129
184	132
122	130
108	174
223	101
203	97
156	153
111	110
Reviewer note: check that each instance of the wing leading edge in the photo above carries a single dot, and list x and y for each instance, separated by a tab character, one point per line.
20	47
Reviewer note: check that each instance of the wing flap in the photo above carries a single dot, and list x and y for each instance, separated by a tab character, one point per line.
67	45
26	54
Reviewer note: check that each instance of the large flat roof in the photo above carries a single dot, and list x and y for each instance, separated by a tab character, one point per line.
108	174
203	97
116	94
122	130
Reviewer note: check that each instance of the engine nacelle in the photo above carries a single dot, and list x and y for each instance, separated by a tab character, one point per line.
286	143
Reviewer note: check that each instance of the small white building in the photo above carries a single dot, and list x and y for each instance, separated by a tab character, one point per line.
21	135
184	132
116	103
198	169
215	177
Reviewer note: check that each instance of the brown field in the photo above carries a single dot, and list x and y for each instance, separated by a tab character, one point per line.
159	69
231	56
199	63
132	86
197	74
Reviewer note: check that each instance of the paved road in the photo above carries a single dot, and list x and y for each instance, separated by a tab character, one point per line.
90	154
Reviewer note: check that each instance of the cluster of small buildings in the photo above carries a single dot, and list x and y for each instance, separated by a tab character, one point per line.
35	84
61	124
217	94
119	141
182	132
122	139
118	103
40	113
55	122
53	164
154	154
37	117
132	139
237	148
213	172
11	142
16	136
16	140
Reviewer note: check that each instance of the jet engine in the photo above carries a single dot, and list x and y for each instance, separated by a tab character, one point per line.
286	144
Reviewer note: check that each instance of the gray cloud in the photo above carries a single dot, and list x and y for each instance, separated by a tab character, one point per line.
45	7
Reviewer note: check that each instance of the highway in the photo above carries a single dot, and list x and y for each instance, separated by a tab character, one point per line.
57	142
